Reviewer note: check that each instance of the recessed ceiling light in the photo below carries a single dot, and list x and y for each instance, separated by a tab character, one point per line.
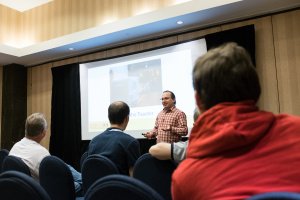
180	22
71	49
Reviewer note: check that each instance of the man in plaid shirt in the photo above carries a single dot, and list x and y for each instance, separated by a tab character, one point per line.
170	124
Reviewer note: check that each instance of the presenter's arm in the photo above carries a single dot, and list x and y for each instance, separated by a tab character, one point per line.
161	151
152	134
181	128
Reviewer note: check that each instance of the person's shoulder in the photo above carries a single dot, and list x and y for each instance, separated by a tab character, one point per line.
128	137
178	111
286	118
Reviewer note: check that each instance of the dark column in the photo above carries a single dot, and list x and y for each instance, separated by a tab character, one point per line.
14	104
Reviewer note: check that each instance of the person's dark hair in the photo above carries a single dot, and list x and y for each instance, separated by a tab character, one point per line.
225	74
35	124
117	112
172	95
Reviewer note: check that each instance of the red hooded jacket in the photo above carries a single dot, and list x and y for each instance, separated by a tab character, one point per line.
236	151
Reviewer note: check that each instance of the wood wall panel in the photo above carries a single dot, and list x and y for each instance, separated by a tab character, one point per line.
63	17
41	91
287	53
197	34
123	50
94	56
65	62
265	61
10	26
158	43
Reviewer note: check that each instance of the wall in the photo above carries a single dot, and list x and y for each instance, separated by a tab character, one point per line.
62	17
277	59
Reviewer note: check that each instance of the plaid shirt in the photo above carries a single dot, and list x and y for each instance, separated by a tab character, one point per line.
174	118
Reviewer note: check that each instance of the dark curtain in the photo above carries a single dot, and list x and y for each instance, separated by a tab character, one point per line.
243	36
65	139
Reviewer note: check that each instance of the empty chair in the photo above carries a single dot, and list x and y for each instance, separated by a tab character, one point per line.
3	154
15	163
56	178
95	167
118	186
82	159
276	196
155	173
16	185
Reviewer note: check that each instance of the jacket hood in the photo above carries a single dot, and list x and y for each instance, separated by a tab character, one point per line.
227	126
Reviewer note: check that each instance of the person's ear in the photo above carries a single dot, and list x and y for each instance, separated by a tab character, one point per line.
199	102
43	133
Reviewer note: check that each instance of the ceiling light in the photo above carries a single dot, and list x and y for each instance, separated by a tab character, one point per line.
180	22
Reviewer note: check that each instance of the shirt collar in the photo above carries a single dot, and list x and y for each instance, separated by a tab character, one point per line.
171	109
114	129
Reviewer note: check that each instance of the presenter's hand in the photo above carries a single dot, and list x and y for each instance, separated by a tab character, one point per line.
150	135
167	129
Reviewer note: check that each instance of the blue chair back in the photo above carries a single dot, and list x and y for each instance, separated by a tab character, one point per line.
95	167
276	196
16	185
3	154
119	186
15	163
56	178
82	159
155	173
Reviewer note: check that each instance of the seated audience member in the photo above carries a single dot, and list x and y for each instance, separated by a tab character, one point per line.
32	153
175	151
235	150
113	143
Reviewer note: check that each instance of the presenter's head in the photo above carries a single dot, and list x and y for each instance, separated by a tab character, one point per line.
225	74
168	99
35	127
118	114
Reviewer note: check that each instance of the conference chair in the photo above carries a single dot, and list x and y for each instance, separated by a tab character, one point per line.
3	154
119	186
82	159
276	196
95	167
16	185
56	178
155	173
15	163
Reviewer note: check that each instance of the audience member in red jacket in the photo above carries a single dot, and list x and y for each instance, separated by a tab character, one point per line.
235	150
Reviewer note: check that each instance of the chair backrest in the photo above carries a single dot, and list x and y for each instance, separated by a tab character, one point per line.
15	163
3	154
56	178
82	159
95	167
119	186
16	185
155	173
276	196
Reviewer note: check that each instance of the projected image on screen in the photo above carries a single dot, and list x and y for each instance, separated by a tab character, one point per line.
139	84
139	80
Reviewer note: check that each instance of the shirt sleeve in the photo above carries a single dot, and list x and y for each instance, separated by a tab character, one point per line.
181	128
179	151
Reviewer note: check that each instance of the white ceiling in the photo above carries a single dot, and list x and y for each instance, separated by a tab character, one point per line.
195	14
23	5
